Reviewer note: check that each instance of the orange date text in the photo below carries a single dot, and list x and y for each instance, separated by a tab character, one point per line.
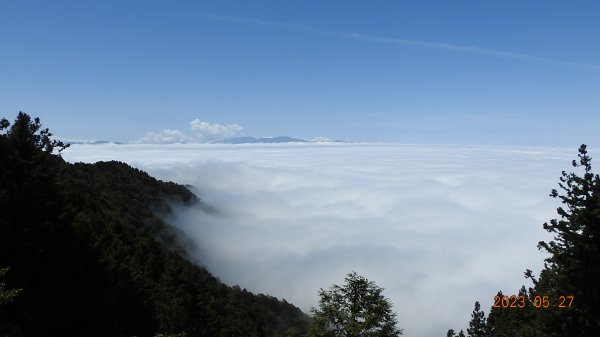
538	302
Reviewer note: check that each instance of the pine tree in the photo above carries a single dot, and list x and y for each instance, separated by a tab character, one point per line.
355	309
477	323
573	267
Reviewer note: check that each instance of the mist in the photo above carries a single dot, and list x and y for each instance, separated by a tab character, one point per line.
438	226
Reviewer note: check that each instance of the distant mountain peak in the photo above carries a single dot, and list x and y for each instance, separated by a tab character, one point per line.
91	142
266	140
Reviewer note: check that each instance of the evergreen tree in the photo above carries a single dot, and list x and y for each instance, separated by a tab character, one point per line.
34	239
355	309
477	323
573	267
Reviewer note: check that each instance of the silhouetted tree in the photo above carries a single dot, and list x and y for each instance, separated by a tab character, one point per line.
477	323
573	267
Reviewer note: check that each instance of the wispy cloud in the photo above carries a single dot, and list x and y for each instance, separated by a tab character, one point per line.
405	42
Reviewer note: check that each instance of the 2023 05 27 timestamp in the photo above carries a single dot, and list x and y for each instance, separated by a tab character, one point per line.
539	302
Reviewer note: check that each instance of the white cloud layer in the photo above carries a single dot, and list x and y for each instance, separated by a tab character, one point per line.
438	227
208	131
167	136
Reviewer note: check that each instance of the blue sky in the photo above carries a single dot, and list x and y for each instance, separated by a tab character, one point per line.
468	72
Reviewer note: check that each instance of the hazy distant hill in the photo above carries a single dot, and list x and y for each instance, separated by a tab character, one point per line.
235	140
251	140
91	142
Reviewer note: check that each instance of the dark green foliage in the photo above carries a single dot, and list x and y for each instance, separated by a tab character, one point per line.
7	296
87	245
451	333
355	309
518	322
477	323
34	239
573	267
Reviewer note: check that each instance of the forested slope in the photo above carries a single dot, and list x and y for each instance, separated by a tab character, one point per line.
85	252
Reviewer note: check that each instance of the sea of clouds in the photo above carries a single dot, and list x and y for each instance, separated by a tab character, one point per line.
437	226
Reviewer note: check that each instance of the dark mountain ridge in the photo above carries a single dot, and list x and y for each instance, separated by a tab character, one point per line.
87	253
